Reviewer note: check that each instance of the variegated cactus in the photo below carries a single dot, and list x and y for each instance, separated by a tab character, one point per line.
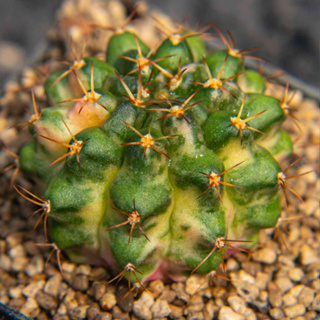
157	161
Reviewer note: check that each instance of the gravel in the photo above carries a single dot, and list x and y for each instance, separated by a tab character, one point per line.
275	283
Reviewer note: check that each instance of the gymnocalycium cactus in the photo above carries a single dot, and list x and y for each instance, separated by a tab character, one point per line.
156	161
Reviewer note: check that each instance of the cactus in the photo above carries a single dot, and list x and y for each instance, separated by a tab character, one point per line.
157	162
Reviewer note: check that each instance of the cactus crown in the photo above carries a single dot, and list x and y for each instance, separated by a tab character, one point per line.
157	161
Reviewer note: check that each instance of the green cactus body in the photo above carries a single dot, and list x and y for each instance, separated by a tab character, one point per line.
161	177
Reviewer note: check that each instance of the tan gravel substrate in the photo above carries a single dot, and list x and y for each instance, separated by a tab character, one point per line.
275	283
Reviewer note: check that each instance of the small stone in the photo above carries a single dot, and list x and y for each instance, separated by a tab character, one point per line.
141	308
284	284
5	262
80	283
68	267
46	301
160	308
295	311
30	308
104	316
316	303
276	313
237	303
35	266
306	296
311	315
289	300
263	296
178	287
275	298
308	255
124	297
62	309
19	264
52	285
193	284
245	285
119	314
98	274
83	269
297	290
98	290
17	251
108	301
79	312
232	265
60	317
226	313
168	295
262	280
15	292
156	287
33	288
296	274
209	310
195	316
176	312
14	239
70	301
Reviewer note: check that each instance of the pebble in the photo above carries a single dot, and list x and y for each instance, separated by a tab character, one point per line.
62	309
245	285
46	301
108	301
160	308
316	303
98	274
284	284
276	313
289	300
308	255
296	274
295	311
237	303
306	296
33	288
119	314
70	301
5	262
35	266
104	316
83	269
17	251
79	312
178	287
52	285
266	255
176	312
193	284
14	292
19	264
262	280
68	266
275	298
232	265
80	283
168	295
156	287
226	313
210	310
98	290
30	308
195	316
